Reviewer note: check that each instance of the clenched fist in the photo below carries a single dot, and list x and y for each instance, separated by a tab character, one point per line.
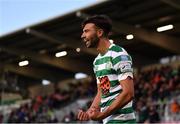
83	116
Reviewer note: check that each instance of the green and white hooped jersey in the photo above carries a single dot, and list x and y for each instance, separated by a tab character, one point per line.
112	67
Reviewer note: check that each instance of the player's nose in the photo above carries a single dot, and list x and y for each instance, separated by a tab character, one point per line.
82	36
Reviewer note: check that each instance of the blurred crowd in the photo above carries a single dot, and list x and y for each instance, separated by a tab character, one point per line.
153	88
42	108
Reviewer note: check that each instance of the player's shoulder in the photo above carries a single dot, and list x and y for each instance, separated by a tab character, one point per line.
96	58
116	48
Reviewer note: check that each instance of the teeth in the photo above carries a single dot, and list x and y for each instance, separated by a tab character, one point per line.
87	43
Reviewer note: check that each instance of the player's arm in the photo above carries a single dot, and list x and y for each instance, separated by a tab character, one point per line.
97	99
84	116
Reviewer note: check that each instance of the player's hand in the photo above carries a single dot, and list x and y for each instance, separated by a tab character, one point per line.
83	116
95	114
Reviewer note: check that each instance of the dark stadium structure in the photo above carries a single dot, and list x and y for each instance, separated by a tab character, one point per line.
38	43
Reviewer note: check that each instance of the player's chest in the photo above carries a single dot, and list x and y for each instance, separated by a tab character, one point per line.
107	65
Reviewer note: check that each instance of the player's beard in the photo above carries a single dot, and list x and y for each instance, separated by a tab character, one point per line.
93	42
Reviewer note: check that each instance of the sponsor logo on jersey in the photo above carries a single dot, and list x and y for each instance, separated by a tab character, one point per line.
104	84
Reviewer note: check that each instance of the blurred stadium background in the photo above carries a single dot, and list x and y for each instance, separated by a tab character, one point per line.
46	72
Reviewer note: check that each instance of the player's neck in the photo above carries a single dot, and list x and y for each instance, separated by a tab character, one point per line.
103	46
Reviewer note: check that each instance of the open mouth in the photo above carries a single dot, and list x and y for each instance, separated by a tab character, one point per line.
87	43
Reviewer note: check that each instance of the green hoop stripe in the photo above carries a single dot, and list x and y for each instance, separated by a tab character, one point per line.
124	111
111	94
103	60
105	72
106	103
116	49
114	83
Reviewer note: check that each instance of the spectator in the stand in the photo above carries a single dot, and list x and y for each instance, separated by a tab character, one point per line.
175	107
37	103
154	92
1	118
175	110
153	115
142	111
57	98
70	118
13	117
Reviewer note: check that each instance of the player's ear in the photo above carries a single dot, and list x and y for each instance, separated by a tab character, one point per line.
100	32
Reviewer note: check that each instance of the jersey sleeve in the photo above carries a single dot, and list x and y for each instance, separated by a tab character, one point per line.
122	64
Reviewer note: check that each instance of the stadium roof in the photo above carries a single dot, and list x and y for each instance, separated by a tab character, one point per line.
39	43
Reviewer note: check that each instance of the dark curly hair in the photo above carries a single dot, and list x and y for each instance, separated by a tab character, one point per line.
101	21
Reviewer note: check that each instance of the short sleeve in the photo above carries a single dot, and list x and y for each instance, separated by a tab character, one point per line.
122	64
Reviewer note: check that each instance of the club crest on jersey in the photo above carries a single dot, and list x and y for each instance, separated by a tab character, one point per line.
104	84
108	65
